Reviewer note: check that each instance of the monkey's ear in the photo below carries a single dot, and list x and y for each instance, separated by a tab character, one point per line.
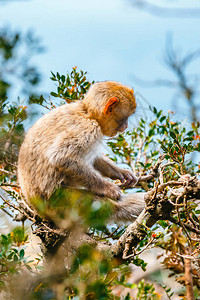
112	102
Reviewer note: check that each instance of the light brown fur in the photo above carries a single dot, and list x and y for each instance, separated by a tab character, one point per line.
61	149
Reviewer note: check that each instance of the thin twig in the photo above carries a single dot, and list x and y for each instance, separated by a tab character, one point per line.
21	210
10	184
7	172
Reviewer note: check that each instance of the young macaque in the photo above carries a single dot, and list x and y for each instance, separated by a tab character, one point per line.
62	148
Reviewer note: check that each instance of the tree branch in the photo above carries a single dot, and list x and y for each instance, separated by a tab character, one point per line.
171	12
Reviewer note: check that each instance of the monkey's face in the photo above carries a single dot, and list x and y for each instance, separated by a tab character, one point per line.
116	122
110	104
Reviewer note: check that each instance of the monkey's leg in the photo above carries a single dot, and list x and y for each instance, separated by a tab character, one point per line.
89	178
129	208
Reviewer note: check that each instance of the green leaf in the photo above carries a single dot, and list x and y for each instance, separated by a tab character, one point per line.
10	255
12	110
60	90
53	74
68	81
54	94
28	267
173	135
21	253
58	75
155	110
159	113
127	297
15	257
188	139
176	131
190	133
52	78
164	148
162	118
39	267
63	78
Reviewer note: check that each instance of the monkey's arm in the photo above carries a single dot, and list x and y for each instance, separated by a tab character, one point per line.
84	175
107	168
92	180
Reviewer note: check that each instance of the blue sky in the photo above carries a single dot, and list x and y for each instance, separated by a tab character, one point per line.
110	39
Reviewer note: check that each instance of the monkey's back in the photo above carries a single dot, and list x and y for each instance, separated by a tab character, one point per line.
63	133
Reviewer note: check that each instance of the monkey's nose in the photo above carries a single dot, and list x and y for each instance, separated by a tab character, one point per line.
123	127
126	125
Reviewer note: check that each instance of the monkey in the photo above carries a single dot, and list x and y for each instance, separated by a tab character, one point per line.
62	149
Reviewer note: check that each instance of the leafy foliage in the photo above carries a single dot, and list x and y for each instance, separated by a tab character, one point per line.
12	257
146	291
71	87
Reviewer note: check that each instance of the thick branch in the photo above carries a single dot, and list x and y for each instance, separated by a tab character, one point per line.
132	236
188	279
157	207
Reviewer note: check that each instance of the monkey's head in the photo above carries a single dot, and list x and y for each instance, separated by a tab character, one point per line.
111	104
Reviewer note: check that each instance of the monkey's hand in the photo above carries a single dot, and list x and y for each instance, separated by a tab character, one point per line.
127	178
110	190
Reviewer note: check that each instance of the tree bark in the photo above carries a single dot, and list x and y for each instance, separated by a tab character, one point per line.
188	279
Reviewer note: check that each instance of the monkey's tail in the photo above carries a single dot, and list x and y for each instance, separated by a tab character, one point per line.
129	208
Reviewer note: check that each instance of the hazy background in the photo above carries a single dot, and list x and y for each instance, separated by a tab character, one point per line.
112	40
